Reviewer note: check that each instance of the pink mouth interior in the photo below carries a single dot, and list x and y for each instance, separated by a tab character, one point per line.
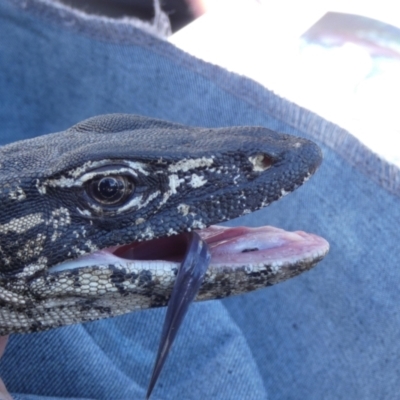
229	247
242	245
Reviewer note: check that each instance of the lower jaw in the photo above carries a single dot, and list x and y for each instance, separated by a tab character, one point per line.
108	282
242	258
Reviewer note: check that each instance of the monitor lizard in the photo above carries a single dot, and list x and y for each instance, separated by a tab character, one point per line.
92	218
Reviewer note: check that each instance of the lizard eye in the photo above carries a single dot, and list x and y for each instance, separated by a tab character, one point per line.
110	190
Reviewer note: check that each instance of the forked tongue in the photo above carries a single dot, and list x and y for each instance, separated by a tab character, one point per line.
188	281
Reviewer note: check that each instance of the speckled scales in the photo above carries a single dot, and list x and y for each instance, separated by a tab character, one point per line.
185	178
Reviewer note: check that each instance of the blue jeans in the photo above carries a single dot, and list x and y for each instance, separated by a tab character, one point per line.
332	333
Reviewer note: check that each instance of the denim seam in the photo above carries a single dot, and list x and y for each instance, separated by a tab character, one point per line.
79	20
342	142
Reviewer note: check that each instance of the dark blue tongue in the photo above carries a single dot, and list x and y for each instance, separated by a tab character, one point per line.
188	280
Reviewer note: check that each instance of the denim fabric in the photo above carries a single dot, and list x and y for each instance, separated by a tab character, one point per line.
332	333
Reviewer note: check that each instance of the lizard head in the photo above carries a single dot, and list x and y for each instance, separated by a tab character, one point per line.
92	217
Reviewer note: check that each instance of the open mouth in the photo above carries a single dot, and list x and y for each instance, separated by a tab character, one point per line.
242	259
269	253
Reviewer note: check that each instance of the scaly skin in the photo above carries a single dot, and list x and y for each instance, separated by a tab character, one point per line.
162	179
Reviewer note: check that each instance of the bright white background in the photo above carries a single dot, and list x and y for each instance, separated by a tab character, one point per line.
261	40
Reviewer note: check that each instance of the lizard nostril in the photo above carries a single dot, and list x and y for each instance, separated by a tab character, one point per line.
261	162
